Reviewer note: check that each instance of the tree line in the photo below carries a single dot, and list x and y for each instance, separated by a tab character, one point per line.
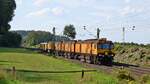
31	38
7	38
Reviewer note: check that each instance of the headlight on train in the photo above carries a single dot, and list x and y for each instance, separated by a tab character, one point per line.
106	53
112	55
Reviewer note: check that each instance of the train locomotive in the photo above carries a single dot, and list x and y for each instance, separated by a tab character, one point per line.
95	51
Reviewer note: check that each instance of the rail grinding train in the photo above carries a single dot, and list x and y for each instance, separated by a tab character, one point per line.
95	51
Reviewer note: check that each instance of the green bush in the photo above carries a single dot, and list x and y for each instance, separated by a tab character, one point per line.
6	79
123	74
3	78
10	39
145	79
148	58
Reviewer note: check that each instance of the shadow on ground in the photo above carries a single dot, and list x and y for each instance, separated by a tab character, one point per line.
18	50
8	62
124	65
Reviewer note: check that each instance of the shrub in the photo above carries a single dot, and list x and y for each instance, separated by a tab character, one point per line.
10	39
145	79
123	74
2	75
148	58
5	79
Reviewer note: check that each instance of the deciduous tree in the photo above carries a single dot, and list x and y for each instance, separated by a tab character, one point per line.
70	31
7	8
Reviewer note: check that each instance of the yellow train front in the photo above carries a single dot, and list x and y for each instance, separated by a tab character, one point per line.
97	51
104	51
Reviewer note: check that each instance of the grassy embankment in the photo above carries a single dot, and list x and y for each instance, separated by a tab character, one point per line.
27	60
133	54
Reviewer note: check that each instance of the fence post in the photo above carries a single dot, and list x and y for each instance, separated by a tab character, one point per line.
82	73
14	72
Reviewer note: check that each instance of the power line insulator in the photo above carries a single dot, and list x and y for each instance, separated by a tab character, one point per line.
133	28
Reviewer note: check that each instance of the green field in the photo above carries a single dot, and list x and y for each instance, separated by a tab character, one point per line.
24	59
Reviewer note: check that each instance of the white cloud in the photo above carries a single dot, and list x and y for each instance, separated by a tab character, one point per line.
39	13
105	14
101	14
43	12
19	2
57	11
127	1
71	3
126	10
40	2
130	10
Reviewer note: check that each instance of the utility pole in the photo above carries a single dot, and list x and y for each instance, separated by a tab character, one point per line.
98	33
95	36
123	34
54	33
133	28
54	38
84	27
54	30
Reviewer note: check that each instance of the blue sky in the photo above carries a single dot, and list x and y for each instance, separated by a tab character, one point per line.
108	15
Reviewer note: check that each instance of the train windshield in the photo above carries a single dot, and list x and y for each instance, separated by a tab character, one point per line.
105	46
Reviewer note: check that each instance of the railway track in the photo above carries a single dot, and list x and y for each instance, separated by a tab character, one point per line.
139	71
135	71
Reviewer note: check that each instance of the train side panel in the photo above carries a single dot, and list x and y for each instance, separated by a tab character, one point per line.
94	49
72	45
86	48
67	46
63	46
78	47
56	46
51	45
45	47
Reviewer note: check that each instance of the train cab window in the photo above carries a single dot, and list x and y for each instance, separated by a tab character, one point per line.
112	46
104	46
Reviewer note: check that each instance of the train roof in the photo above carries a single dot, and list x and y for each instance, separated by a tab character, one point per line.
101	40
43	43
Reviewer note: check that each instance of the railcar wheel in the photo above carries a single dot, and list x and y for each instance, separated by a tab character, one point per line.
77	57
106	60
82	58
72	55
91	60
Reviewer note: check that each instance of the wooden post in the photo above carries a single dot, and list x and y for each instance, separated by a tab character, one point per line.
82	73
14	72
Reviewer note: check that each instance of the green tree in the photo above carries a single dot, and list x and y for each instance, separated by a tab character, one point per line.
10	39
37	37
7	8
70	31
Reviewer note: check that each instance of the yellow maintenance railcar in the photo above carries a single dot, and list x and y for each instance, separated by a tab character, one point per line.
98	51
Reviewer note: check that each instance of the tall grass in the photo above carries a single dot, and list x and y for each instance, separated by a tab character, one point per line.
5	78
